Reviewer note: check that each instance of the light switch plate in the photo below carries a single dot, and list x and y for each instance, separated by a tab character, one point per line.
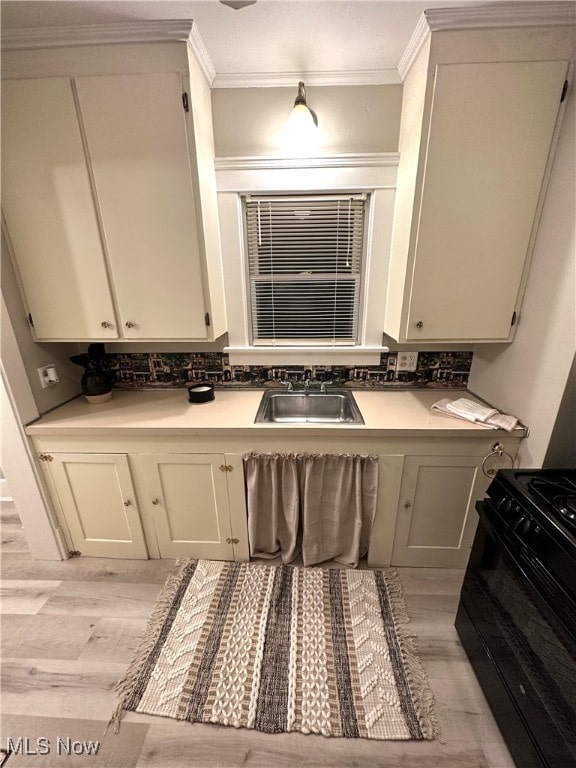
407	361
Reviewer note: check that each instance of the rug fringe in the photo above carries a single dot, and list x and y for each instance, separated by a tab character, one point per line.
415	672
115	719
152	631
396	593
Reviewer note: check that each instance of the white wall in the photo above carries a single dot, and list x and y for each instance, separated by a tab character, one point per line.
562	448
17	454
249	121
26	488
34	354
528	377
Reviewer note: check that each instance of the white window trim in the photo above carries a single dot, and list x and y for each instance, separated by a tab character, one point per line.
375	174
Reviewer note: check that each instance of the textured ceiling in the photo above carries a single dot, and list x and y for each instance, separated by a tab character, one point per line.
272	36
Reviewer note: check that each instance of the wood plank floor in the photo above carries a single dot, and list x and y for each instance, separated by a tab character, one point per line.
69	630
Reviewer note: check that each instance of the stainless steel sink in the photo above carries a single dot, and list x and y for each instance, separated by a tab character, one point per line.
297	407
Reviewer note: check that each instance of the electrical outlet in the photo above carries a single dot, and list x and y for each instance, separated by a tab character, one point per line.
48	375
407	361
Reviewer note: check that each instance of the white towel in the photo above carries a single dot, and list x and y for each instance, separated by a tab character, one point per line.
468	409
483	415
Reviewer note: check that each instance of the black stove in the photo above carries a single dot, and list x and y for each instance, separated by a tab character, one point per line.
517	612
535	508
549	494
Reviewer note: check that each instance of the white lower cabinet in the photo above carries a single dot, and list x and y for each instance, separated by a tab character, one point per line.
97	501
436	519
188	503
163	498
150	505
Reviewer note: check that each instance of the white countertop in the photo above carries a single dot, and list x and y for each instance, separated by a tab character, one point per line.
148	412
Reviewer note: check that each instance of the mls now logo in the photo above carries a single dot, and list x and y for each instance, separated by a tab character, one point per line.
26	746
43	746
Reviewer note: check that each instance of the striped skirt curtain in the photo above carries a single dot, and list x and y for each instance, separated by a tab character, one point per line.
317	505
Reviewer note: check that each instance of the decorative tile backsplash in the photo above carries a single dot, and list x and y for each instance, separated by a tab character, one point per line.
168	370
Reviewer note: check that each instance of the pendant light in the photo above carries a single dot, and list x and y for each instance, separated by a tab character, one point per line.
237	4
301	112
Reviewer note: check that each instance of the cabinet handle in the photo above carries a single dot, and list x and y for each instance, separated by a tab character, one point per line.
129	325
419	324
155	502
407	505
106	324
127	503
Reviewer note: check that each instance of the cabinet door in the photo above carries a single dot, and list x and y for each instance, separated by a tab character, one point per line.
98	503
188	501
489	139
50	214
436	517
136	132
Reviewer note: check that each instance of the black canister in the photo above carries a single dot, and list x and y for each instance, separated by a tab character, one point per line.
201	393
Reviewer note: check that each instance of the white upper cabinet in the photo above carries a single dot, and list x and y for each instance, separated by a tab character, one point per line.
136	133
47	200
108	192
480	117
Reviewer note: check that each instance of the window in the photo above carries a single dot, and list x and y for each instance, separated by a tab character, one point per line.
305	257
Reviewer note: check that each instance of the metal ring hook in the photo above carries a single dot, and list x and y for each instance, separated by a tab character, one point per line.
497	450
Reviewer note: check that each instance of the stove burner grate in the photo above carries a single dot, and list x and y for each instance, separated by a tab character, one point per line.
566	506
559	495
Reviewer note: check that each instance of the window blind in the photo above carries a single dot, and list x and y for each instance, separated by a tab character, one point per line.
305	256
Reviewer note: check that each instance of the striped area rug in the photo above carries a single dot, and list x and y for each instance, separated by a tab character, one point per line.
279	649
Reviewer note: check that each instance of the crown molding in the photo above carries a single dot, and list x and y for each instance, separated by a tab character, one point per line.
167	31
291	79
202	56
415	43
360	160
182	30
518	14
97	34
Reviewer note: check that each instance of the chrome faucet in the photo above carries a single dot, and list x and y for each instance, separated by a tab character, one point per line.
307	386
289	386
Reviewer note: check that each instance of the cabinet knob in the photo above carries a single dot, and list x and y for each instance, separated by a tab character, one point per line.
407	505
127	503
129	325
419	324
106	324
155	502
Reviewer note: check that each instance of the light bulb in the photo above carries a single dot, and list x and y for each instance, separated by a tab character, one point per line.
301	133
